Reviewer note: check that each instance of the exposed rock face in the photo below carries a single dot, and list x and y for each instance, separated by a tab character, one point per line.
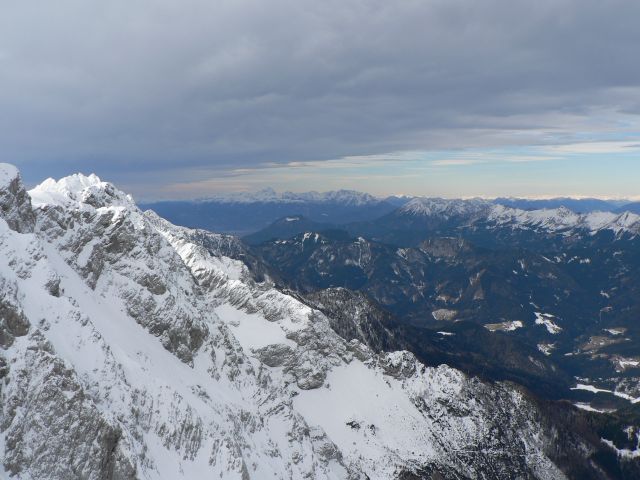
130	350
100	233
15	203
52	429
354	317
13	322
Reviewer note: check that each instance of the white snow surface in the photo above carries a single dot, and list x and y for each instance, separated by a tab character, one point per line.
203	372
75	190
588	408
593	389
546	348
626	453
7	174
546	319
507	326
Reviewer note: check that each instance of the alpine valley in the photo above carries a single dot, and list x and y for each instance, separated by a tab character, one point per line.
410	339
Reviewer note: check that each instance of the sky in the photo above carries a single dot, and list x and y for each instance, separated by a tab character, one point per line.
453	98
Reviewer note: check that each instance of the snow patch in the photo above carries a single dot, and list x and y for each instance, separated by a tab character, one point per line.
444	314
252	330
624	453
588	408
546	348
509	326
546	319
592	389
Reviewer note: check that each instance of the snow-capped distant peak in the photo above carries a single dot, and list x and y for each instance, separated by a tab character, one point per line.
79	190
269	195
424	206
563	219
555	218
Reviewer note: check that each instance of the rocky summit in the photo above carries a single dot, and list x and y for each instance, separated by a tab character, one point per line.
131	348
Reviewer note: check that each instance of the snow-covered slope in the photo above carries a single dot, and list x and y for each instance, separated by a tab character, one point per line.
564	220
439	207
555	220
130	348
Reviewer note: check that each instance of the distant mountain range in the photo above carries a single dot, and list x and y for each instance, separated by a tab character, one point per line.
630	207
582	205
242	214
246	213
269	195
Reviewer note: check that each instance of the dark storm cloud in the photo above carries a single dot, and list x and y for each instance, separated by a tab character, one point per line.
125	88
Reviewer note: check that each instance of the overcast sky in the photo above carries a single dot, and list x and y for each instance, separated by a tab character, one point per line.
185	98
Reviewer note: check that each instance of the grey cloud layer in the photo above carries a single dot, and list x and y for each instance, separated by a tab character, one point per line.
142	85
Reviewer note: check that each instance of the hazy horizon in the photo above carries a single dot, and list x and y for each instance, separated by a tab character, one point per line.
301	190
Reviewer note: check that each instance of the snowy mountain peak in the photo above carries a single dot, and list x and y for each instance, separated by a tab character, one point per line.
555	217
423	206
79	191
348	197
269	195
563	219
564	211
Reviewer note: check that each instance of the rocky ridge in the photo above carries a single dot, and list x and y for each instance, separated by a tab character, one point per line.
551	220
